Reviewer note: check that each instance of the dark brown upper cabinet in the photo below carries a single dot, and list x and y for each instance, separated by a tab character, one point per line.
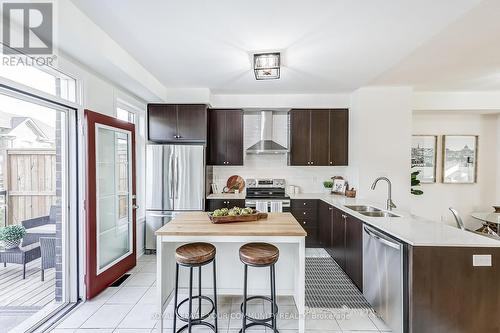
339	137
300	137
319	137
177	123
225	137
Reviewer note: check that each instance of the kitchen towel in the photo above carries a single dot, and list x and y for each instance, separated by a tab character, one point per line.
261	206
276	207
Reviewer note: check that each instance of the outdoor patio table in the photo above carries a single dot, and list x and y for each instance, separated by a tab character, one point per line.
46	229
20	255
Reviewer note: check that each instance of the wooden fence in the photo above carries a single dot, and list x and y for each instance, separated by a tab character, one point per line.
30	180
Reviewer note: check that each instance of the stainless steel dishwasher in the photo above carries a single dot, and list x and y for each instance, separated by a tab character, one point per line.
384	276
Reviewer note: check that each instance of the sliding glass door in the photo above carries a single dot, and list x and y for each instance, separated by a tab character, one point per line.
35	155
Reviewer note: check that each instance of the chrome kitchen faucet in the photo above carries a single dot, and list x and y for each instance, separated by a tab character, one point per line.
390	203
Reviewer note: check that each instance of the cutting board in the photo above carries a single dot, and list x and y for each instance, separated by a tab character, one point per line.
235	182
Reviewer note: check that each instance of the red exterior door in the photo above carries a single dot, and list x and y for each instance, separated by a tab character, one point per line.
110	201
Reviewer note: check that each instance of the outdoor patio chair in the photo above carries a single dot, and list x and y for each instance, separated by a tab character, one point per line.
48	252
29	239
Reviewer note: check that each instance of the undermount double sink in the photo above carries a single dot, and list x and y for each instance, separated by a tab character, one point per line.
371	211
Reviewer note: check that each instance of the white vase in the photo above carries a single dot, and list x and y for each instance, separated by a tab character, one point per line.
9	245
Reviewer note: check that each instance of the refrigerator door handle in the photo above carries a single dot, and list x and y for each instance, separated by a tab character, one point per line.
171	166
177	177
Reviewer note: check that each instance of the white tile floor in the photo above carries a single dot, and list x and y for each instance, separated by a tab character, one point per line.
131	308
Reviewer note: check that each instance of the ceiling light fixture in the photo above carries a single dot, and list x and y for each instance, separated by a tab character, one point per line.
266	66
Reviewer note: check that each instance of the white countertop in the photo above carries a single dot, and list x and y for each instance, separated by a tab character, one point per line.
409	228
227	196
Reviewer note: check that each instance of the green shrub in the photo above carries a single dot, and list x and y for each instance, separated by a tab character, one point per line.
12	233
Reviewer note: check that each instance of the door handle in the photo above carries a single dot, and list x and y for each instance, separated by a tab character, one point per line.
135	206
177	177
158	215
172	175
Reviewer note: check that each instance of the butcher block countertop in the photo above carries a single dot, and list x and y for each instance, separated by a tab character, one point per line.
199	224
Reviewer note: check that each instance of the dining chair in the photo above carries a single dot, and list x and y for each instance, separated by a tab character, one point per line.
458	219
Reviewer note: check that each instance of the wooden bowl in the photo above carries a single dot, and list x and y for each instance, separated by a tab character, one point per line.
255	216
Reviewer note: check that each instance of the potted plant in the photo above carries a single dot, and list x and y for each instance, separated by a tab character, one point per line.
328	185
11	236
415	182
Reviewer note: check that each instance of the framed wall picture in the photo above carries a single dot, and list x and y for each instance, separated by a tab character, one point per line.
460	159
424	156
339	186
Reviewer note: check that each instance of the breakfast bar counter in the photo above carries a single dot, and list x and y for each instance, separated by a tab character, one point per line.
279	229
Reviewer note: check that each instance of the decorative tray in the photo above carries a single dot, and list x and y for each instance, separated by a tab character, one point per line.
238	218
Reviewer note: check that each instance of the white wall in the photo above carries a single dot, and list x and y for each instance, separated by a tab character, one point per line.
281	101
379	143
78	37
498	161
380	137
466	198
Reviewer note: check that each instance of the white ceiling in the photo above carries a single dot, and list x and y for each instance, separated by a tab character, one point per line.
464	56
328	45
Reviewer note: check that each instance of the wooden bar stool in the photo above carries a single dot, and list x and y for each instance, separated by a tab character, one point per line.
259	255
191	256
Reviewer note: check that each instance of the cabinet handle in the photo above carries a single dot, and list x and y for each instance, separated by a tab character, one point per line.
305	213
304	222
312	162
305	203
344	216
331	163
330	208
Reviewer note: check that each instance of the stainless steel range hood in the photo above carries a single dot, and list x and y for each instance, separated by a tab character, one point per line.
266	145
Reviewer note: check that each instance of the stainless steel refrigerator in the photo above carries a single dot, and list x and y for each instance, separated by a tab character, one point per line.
175	182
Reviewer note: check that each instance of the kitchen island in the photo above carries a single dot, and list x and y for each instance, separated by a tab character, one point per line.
279	229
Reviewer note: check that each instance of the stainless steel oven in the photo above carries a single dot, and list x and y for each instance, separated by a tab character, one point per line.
252	203
268	191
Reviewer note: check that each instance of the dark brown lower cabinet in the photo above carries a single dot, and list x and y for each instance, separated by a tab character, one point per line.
338	237
325	221
448	294
213	204
342	236
354	250
306	213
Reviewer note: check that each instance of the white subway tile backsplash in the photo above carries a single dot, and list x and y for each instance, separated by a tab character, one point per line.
308	179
